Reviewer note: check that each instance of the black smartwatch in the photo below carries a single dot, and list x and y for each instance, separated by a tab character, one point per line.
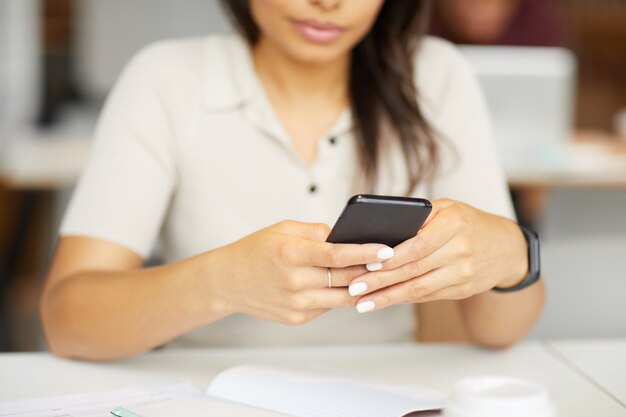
534	266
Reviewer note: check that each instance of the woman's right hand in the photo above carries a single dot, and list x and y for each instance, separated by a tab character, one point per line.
280	273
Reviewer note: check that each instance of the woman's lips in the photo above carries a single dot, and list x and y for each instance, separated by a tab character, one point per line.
318	32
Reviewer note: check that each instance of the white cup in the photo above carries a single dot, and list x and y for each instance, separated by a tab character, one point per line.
495	396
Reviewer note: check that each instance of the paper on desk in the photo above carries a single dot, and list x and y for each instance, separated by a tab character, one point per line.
200	407
318	392
183	400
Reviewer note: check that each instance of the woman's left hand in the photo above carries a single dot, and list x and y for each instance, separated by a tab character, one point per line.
461	251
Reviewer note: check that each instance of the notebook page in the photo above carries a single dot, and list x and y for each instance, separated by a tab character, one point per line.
201	407
81	405
182	400
311	392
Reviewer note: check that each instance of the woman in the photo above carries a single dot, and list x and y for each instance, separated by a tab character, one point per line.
243	151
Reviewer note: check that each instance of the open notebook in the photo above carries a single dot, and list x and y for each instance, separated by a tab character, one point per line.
318	392
246	390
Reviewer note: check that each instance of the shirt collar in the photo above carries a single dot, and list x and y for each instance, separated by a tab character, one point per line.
230	77
232	83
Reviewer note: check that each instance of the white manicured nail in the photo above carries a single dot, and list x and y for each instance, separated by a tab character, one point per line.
365	306
357	288
385	253
376	266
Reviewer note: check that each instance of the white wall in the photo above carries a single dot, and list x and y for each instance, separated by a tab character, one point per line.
584	264
111	31
19	62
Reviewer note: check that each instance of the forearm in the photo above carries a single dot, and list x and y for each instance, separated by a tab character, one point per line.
499	320
101	315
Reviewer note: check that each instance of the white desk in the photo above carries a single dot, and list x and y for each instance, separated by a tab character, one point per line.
590	160
603	361
431	366
43	162
52	160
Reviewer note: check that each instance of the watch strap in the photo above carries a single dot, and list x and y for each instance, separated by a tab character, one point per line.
534	264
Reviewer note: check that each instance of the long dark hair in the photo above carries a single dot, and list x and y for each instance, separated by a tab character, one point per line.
382	86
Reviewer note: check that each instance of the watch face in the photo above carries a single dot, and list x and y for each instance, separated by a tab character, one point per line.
534	263
534	253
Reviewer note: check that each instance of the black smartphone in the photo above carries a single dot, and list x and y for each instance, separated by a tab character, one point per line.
380	219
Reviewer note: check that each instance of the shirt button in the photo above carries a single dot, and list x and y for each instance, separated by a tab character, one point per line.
313	188
332	140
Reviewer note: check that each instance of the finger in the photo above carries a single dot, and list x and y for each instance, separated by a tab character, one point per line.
296	318
374	281
429	239
437	206
313	231
341	277
409	291
455	292
305	252
324	298
312	278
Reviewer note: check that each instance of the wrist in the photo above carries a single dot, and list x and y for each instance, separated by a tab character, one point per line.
201	280
520	270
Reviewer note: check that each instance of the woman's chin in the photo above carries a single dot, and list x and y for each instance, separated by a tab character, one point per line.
317	55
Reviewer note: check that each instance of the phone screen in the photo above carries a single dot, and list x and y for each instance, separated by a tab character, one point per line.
380	219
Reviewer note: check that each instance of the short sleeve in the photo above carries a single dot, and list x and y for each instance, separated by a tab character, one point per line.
125	188
469	169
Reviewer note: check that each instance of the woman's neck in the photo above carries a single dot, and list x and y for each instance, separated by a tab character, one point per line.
296	81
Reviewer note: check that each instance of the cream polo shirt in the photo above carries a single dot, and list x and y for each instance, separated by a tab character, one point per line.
189	147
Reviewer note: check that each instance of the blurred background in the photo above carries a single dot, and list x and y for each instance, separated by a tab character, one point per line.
554	73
